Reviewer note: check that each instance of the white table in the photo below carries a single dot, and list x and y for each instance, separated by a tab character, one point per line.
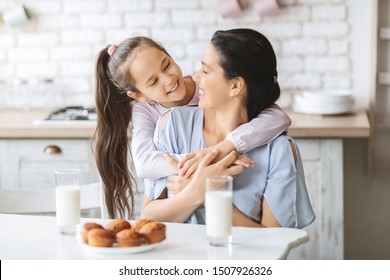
35	237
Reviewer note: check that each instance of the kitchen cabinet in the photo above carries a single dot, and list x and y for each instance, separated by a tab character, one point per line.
383	70
320	140
323	165
29	155
30	163
380	99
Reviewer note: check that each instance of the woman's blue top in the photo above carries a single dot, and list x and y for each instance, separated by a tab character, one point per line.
275	175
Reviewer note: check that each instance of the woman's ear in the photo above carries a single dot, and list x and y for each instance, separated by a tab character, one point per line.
137	96
238	86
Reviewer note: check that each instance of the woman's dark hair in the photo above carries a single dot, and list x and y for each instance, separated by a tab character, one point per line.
248	54
111	138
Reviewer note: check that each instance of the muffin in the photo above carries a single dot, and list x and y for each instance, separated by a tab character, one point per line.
87	227
140	223
118	225
129	238
154	232
101	237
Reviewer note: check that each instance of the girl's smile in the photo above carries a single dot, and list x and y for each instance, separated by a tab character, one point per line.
157	77
175	88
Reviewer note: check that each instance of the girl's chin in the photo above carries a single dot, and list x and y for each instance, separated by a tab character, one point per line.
201	104
179	97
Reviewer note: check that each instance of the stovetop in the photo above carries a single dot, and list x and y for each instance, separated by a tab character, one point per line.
72	115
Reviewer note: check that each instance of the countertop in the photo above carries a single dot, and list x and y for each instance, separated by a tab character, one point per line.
20	124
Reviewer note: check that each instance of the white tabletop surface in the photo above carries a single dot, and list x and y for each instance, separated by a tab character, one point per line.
36	237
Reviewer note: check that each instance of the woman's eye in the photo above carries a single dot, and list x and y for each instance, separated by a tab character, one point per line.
166	67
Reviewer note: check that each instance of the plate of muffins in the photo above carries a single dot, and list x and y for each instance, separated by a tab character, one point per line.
121	237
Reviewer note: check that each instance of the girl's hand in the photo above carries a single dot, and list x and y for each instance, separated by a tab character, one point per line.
177	183
224	167
190	162
244	161
171	160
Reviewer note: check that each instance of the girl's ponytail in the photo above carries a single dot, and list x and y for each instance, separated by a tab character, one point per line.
111	141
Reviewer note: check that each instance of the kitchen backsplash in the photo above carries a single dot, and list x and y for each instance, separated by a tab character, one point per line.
50	61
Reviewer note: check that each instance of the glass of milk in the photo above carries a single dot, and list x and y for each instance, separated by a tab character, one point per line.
67	200
219	208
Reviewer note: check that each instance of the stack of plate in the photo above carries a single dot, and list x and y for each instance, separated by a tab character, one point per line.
325	102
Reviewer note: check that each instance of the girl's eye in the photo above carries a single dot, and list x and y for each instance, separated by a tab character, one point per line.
154	82
166	67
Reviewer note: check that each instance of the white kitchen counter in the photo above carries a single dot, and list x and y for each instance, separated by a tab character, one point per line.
20	124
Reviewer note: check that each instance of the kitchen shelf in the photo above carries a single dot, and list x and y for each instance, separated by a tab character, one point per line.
384	78
384	33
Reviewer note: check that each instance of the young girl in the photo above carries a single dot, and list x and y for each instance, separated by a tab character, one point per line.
139	69
237	80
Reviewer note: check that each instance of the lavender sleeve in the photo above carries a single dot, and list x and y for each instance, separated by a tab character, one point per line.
148	162
269	124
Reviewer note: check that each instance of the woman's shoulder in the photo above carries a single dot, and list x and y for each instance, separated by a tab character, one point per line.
275	147
282	144
177	117
282	139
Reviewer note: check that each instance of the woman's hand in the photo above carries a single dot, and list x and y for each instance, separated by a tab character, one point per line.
190	162
177	183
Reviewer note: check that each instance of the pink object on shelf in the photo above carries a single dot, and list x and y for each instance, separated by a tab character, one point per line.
229	8
266	7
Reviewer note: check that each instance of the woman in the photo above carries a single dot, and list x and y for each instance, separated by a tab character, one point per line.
237	80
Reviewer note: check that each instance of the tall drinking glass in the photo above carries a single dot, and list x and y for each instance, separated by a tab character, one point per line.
219	208
67	200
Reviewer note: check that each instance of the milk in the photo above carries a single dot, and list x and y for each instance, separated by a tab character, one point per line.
68	205
219	209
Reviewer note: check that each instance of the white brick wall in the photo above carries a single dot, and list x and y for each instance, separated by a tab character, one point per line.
310	38
84	6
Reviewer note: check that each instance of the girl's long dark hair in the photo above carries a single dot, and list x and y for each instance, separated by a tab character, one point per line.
248	54
111	139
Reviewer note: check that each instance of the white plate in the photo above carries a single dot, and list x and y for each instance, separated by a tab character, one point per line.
116	250
329	95
321	111
322	104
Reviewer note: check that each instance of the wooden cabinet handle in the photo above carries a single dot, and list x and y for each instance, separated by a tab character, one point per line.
52	149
